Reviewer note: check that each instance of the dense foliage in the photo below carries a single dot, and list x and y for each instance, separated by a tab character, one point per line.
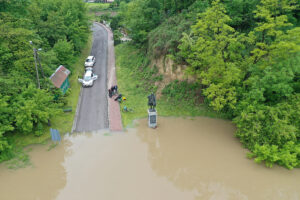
246	57
165	39
141	17
60	28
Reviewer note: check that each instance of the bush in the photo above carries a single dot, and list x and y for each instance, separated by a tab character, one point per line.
272	132
117	37
165	38
139	17
179	90
287	156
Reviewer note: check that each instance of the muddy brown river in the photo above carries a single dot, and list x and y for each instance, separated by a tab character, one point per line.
182	159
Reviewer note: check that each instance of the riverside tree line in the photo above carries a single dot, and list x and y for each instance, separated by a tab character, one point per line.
60	28
245	56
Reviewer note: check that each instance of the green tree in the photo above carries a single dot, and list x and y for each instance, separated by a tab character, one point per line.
33	109
165	38
214	54
268	112
53	29
5	122
272	132
241	13
275	56
271	26
174	6
140	17
76	21
64	52
18	7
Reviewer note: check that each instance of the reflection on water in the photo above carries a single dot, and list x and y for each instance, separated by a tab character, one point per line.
181	159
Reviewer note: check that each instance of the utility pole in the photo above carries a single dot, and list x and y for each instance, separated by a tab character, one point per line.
38	58
37	72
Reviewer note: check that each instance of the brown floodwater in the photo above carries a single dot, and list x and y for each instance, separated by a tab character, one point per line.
182	159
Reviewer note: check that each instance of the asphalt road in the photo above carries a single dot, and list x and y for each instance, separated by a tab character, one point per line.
93	108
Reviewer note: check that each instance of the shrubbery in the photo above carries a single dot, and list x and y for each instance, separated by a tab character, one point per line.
165	38
177	91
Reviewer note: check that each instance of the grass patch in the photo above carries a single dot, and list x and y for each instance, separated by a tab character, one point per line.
136	81
97	7
96	11
167	108
130	82
52	146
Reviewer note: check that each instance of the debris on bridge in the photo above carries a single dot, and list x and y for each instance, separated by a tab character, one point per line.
55	136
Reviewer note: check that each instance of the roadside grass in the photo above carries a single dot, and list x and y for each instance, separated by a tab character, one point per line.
96	7
128	61
182	108
64	121
135	82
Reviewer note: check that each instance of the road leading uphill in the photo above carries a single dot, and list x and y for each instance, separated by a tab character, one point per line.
93	107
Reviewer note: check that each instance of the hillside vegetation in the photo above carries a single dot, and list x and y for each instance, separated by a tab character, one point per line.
61	29
245	56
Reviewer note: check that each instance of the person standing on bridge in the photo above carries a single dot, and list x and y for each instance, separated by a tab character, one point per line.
114	89
109	93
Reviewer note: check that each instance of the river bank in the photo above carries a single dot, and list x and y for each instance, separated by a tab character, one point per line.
136	81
